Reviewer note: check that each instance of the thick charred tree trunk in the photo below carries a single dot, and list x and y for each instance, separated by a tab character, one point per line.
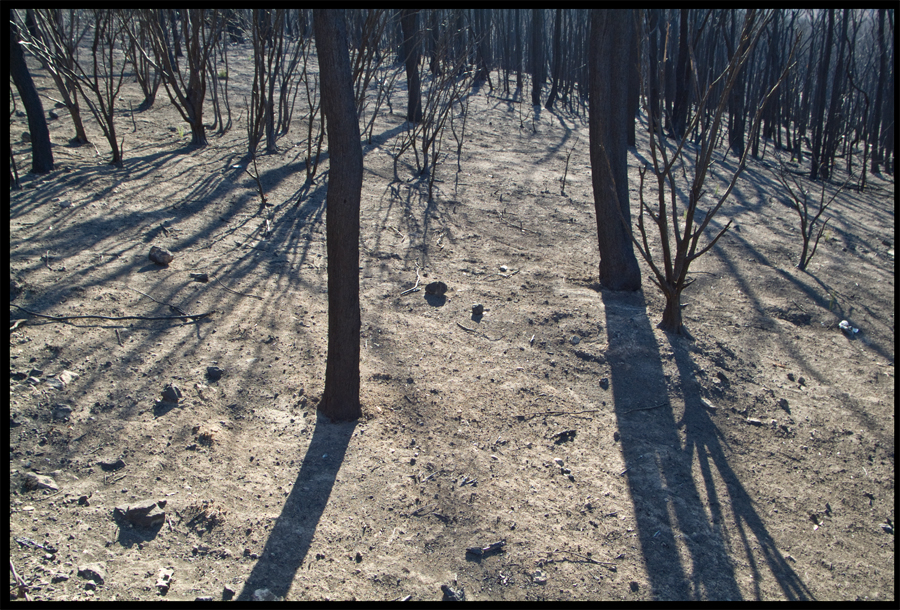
680	106
41	153
819	104
409	25
557	60
875	132
340	399
537	55
611	55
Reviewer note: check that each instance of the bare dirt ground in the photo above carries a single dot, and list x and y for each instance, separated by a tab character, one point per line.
753	461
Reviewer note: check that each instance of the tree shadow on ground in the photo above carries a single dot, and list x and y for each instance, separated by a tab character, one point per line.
292	534
674	518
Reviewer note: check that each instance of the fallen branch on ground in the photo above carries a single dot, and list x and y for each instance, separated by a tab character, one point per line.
475	332
252	296
63	318
662	404
416	287
530	415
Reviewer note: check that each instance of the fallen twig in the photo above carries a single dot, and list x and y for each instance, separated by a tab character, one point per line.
174	307
584	559
63	318
252	296
662	404
529	415
475	332
118	338
416	287
23	588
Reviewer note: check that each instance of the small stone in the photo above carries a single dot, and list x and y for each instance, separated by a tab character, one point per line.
92	571
604	383
616	437
790	376
754	422
161	256
214	373
801	381
503	268
558	461
575	340
60	577
264	595
227	593
37	481
539	577
67	377
62	412
52	115
26	137
477	309
171	393
83	501
453	595
111	465
145	514
436	288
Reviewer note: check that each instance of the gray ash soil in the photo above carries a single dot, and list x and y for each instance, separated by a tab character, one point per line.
754	460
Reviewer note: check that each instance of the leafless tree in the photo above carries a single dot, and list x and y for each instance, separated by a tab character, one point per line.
200	31
56	45
100	85
41	153
443	94
809	214
670	274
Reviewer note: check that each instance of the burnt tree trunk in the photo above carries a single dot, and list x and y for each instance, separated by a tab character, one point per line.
537	55
680	106
611	54
409	25
557	63
41	153
340	399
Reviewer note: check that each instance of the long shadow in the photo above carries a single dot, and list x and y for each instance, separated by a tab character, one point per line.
673	516
703	442
292	534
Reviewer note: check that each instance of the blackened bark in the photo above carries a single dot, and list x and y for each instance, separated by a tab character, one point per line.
736	117
835	121
537	55
819	103
557	60
612	38
680	107
41	153
634	82
409	25
875	132
653	67
340	399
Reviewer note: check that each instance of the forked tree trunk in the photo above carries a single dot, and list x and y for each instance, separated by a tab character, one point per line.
340	399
